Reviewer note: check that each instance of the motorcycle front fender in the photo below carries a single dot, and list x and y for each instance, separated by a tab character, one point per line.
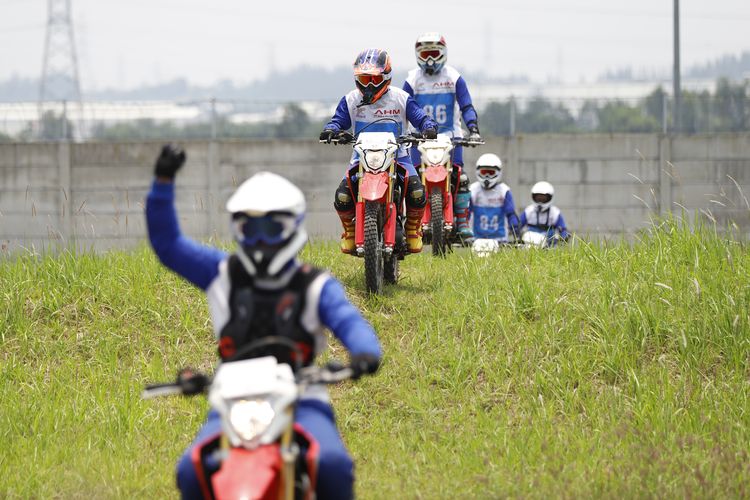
435	175
374	186
249	474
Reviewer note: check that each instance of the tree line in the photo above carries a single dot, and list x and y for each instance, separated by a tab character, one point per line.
727	109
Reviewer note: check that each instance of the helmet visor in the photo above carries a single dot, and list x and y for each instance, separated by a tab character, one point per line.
269	229
541	197
426	54
366	80
487	172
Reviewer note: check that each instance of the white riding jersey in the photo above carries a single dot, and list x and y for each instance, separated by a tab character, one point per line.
488	217
542	220
436	95
391	106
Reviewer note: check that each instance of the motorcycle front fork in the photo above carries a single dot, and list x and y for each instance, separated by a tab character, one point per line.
289	453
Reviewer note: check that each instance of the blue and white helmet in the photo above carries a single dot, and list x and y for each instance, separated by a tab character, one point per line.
431	51
268	213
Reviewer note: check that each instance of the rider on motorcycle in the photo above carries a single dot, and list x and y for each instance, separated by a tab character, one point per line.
375	107
542	216
262	289
441	92
492	201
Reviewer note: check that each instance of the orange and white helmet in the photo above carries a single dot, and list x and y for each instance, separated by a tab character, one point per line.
372	74
432	52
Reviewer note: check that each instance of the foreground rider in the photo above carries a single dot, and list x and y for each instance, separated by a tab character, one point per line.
441	92
542	216
492	202
375	107
247	289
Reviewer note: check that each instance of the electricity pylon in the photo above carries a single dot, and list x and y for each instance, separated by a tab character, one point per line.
59	82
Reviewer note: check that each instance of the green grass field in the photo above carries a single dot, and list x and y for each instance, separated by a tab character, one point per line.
617	370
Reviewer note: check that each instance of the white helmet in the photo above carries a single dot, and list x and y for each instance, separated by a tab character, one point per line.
431	51
267	214
541	194
489	170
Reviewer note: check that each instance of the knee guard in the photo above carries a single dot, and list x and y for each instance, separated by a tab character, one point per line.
343	201
463	183
415	195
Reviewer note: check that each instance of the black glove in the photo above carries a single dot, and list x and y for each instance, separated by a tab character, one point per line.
364	364
191	382
327	135
430	133
474	133
169	161
344	137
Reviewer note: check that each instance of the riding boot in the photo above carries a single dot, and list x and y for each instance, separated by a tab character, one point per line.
413	228
461	213
347	237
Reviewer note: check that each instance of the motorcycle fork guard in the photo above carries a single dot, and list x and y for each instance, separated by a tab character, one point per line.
389	227
359	226
448	208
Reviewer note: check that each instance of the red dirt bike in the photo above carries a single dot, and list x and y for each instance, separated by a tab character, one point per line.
440	178
376	184
258	453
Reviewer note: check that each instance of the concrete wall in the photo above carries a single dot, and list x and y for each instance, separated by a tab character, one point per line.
91	194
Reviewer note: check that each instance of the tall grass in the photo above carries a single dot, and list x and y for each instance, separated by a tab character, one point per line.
597	370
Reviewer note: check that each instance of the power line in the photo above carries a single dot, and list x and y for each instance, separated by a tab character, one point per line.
59	81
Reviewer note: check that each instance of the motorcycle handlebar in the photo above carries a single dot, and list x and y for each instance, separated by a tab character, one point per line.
466	142
159	390
329	374
457	141
342	137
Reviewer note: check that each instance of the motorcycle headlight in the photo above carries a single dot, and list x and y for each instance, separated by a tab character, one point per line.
434	156
250	418
375	159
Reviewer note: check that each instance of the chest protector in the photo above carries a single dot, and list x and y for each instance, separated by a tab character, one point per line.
256	313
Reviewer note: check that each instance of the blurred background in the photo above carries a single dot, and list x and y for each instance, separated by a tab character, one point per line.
108	70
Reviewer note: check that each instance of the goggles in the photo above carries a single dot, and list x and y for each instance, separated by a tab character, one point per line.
488	172
429	53
270	229
541	197
366	80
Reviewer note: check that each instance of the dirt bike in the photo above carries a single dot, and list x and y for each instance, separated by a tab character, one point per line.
375	184
258	453
440	178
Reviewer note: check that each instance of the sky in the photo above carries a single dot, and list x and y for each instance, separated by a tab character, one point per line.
126	43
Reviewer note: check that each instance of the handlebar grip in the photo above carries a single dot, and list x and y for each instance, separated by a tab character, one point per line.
158	390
